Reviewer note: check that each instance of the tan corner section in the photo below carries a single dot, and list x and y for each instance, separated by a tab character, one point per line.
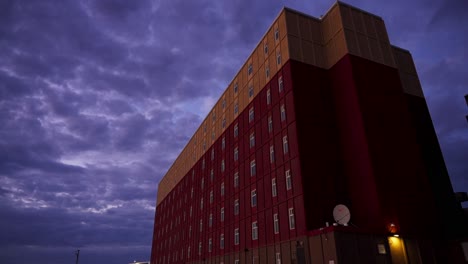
407	70
366	35
276	40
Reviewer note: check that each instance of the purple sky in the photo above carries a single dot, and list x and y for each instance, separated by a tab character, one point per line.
98	97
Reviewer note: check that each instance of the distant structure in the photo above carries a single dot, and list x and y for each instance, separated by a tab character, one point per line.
466	100
321	150
139	262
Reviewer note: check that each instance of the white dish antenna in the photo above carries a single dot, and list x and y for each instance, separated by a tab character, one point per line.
341	214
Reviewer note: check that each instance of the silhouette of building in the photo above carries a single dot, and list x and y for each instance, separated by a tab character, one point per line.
325	111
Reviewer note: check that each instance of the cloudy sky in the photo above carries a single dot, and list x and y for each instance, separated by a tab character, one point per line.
97	98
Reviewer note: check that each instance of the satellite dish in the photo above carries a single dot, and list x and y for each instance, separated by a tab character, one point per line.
341	214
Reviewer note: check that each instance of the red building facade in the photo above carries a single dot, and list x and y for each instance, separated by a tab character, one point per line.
347	130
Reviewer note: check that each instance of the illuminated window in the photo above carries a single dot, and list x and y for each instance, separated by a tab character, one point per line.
236	153
252	140
275	223
236	109
253	168
283	113
292	224
223	143
236	207
278	258
221	241
236	130
288	180
253	198
280	84
278	58
285	145
251	114
236	236
270	124
236	179
273	187
222	189
251	91
272	154
222	214
223	167
268	96
236	88
254	230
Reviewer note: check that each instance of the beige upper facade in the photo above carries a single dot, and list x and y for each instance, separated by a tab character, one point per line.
293	35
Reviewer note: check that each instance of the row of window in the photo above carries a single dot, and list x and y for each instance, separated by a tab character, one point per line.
254	236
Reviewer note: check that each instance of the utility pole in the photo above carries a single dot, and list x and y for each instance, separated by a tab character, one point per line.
77	253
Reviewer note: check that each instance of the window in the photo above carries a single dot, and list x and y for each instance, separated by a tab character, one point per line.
190	211
272	154
191	193
211	174
236	237
212	152
270	124
250	69
285	145
203	164
265	48
236	261
222	214
210	220
253	168
204	128
223	143
213	117
252	140
280	84
253	198
276	34
188	252
275	223
236	130
236	88
283	113
236	109
201	203
223	167
201	225
251	91
251	114
288	180
278	258
210	244
267	72
236	207
236	179
292	224
254	230
268	96
278	58
236	153
202	183
224	123
222	189
211	196
221	241
199	248
274	192
224	103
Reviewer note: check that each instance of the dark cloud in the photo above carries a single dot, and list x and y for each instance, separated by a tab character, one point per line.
98	97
